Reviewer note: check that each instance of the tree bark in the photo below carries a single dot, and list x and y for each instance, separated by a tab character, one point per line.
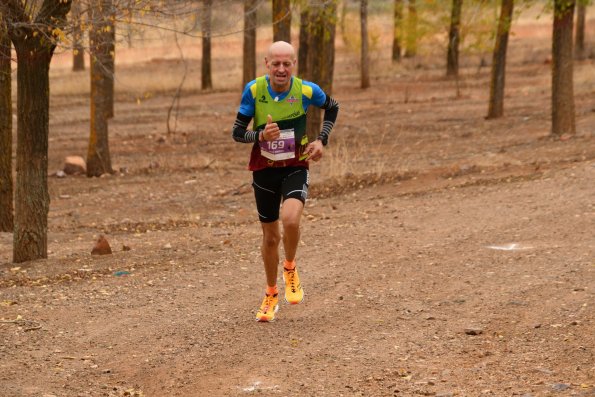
206	74
31	195
6	185
365	60
34	52
397	21
321	56
281	20
496	102
98	154
452	57
304	40
111	61
563	117
579	41
411	39
78	51
249	50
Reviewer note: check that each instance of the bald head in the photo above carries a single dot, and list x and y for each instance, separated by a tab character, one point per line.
281	48
280	62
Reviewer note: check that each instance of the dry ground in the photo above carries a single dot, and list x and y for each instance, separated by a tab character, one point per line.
442	254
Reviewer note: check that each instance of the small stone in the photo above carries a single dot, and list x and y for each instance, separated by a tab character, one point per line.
75	165
101	247
560	386
473	331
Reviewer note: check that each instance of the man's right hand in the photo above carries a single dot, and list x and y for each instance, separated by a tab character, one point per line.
271	130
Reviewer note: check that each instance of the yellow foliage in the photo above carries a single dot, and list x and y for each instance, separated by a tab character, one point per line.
58	33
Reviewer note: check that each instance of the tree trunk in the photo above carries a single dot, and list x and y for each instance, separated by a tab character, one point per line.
304	40
32	199
281	20
34	49
579	41
249	66
496	103
98	155
452	57
563	117
397	21
206	75
111	61
321	56
6	185
411	39
78	51
343	18
365	60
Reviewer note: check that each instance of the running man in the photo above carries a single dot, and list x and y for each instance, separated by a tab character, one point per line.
279	162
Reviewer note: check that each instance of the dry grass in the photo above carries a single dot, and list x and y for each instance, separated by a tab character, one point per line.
344	157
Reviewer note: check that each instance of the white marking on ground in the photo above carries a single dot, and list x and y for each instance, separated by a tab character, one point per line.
509	247
257	386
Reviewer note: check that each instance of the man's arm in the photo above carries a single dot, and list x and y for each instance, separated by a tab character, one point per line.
240	131
331	110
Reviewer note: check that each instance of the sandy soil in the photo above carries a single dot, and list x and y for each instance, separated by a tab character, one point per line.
442	254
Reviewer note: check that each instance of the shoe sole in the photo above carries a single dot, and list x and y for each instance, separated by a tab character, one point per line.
265	320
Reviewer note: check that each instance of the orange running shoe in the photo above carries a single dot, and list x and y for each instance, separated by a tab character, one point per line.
294	293
268	308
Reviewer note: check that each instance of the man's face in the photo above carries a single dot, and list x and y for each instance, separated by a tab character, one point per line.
280	66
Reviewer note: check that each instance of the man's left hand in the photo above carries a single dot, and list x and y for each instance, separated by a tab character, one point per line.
314	150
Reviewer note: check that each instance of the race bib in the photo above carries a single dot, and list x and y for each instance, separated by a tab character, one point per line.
282	148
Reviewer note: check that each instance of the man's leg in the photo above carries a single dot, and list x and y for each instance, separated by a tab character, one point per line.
291	214
270	251
270	258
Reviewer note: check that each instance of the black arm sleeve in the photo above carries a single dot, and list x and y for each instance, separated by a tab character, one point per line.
240	131
331	110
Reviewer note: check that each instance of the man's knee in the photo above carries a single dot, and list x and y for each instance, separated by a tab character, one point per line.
291	214
291	221
271	238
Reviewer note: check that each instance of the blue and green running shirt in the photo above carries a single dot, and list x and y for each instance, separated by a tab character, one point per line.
288	110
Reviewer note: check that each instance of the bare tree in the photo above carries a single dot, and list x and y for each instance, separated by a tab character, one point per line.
111	60
454	38
411	37
321	55
282	20
98	154
563	116
496	102
304	39
6	186
206	74
249	58
78	50
365	60
579	40
397	22
34	30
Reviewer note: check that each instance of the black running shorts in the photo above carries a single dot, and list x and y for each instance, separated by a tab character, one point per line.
272	184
